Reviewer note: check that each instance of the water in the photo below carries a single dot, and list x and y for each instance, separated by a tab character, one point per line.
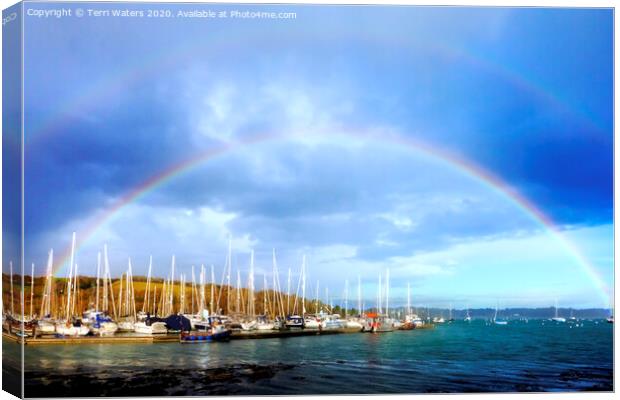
456	357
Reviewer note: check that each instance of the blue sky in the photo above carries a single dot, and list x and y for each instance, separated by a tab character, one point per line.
523	93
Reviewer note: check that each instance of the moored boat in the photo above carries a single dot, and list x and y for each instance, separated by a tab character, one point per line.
215	334
294	322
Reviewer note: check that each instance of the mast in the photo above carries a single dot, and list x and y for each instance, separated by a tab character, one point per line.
277	288
193	291
171	288
31	290
154	311
76	288
202	289
46	303
228	276
98	274
387	292
238	292
265	304
317	297
133	293
408	299
212	289
379	297
70	278
303	287
346	297
251	309
147	290
121	305
288	293
359	295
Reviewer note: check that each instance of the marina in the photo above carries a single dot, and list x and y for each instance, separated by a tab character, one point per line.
539	355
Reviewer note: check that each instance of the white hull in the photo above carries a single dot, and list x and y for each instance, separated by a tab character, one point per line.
312	324
265	327
156	328
353	325
72	330
126	326
46	328
558	319
106	328
249	326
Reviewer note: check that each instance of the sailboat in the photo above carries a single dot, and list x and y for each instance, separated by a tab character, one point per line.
379	322
467	317
99	323
556	318
46	325
498	321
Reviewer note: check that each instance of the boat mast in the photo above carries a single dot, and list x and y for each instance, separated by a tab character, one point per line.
408	299
31	290
171	289
387	292
251	308
238	297
359	295
68	281
303	287
47	291
107	278
147	290
346	297
212	310
379	297
317	297
228	276
288	293
97	284
194	294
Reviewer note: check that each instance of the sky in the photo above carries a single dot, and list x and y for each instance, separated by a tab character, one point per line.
348	134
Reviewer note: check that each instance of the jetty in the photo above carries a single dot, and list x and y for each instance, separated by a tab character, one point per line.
168	338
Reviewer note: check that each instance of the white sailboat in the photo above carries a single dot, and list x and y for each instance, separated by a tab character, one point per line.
467	317
71	327
498	321
556	318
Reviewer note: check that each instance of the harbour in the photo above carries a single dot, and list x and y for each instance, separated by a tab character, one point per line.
538	355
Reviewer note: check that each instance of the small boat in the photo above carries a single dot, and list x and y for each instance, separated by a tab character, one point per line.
72	328
126	326
294	322
313	323
332	322
216	334
151	326
439	320
99	323
45	327
376	323
467	317
263	324
353	324
556	318
498	321
610	319
22	328
249	326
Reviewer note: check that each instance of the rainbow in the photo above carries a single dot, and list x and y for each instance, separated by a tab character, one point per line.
457	163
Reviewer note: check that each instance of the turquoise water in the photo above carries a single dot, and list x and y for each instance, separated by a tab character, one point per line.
455	357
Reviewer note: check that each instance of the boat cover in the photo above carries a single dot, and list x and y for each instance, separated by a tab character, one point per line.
178	323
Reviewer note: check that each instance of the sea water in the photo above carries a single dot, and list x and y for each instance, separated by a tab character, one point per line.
477	356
